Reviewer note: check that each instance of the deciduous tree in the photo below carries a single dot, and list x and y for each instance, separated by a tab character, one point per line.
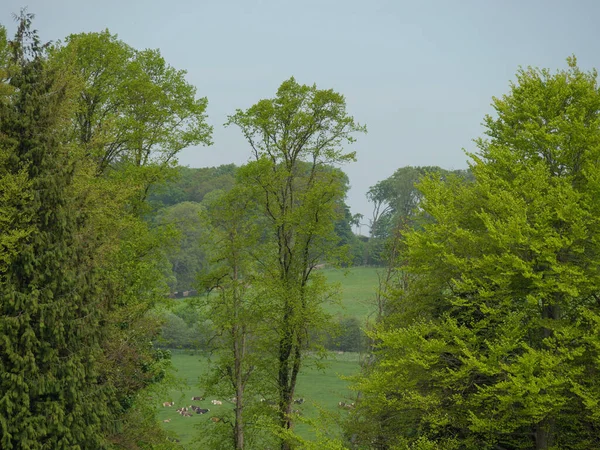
494	342
295	138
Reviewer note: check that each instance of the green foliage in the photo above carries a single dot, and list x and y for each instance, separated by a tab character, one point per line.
185	255
236	308
191	185
49	315
134	111
86	129
346	336
494	341
178	334
296	137
396	203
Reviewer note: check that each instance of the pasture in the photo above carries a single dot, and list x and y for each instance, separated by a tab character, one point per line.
358	286
322	389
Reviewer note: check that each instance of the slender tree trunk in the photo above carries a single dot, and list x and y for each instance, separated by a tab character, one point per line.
545	430
239	395
285	350
544	434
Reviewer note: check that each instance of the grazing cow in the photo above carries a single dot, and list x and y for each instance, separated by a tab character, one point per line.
186	414
168	404
166	420
216	402
201	410
197	399
299	401
215	419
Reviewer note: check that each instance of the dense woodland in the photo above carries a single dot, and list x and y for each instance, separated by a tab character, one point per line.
486	333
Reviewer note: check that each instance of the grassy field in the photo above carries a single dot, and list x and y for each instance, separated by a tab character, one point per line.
322	389
358	291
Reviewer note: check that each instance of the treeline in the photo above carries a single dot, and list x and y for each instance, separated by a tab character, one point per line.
179	202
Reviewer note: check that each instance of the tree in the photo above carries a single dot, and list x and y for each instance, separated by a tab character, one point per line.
294	138
135	112
191	185
395	204
494	342
49	320
186	256
234	306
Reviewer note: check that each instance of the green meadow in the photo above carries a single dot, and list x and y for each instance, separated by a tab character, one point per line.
322	389
358	287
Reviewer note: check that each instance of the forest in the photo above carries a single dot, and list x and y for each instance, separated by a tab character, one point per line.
482	329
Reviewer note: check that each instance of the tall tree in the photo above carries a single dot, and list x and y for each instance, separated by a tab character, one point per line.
49	320
295	137
494	342
235	306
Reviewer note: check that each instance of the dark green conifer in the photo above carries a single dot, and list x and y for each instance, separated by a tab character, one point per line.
49	392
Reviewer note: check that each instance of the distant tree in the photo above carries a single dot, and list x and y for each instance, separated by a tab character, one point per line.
395	203
185	255
348	337
494	341
295	138
191	185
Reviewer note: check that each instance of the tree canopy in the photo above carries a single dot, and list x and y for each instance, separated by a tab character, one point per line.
494	341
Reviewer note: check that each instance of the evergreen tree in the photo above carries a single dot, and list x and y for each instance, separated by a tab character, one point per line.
49	395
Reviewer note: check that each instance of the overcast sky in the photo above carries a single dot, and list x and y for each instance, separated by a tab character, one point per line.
420	74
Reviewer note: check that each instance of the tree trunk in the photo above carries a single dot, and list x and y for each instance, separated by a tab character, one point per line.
544	434
239	393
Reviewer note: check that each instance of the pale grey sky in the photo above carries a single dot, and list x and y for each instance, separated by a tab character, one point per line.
419	74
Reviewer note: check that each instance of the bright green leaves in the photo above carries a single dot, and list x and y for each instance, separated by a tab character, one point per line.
550	118
297	139
492	343
133	106
301	122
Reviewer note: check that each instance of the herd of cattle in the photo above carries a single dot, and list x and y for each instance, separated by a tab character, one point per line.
187	411
345	405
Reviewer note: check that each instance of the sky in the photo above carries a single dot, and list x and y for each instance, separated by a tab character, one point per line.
419	74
